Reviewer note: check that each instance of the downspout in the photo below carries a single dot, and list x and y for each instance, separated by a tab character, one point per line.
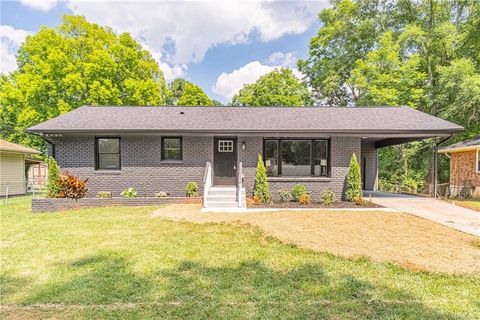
435	166
49	141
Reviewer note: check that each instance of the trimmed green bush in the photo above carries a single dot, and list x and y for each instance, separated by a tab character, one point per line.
53	184
129	193
297	191
261	190
191	190
285	196
327	197
354	181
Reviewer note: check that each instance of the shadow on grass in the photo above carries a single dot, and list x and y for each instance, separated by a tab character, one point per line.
106	286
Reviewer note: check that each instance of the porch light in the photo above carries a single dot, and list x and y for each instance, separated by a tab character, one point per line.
244	145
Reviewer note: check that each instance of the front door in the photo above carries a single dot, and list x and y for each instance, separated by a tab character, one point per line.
225	161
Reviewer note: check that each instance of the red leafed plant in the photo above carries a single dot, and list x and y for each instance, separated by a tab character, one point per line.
72	187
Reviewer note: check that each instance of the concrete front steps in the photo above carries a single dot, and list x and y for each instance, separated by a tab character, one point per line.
225	197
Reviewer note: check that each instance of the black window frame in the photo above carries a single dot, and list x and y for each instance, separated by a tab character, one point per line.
163	148
312	165
97	154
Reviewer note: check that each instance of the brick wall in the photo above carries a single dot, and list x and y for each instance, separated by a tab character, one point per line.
56	204
143	169
462	169
342	149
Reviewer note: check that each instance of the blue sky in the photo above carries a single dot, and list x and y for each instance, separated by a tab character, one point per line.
220	45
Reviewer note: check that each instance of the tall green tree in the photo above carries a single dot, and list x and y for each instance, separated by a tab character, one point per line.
277	88
75	64
384	77
348	32
421	53
185	93
194	96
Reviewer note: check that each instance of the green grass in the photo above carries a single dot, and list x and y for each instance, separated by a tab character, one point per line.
470	204
122	263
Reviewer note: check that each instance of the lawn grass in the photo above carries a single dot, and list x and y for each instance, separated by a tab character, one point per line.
121	262
469	204
474	205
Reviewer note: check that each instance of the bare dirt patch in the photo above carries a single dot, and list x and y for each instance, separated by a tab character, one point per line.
409	241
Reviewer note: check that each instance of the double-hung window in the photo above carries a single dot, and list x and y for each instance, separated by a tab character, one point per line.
107	153
297	157
172	148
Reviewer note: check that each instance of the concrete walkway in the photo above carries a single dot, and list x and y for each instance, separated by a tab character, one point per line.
456	217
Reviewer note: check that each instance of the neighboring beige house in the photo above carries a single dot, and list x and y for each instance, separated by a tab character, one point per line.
464	167
12	167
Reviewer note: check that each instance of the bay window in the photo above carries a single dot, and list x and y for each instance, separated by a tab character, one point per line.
296	157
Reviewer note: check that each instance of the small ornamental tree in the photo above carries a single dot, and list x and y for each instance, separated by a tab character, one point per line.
261	191
53	184
354	182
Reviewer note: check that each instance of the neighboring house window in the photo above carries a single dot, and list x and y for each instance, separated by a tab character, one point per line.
296	157
172	148
107	153
478	161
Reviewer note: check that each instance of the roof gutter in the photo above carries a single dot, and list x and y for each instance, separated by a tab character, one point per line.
446	132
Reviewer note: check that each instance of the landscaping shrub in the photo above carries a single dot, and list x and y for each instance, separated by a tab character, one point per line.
129	193
256	199
354	182
191	190
359	201
161	194
305	198
53	184
285	196
250	202
297	191
104	194
261	190
72	187
327	197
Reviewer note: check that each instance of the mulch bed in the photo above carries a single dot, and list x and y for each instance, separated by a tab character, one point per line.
298	205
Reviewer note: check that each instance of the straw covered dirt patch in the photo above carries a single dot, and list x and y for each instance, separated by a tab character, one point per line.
409	241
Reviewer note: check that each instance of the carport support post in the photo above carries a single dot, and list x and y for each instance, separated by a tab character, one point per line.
435	168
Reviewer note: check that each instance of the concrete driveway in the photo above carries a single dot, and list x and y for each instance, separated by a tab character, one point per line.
456	217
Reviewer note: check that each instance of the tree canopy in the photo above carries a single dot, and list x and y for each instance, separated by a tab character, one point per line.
185	93
277	88
75	64
423	53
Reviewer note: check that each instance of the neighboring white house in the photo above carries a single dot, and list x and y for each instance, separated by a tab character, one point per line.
12	167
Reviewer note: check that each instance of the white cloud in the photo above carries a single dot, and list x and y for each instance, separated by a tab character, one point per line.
184	31
41	5
10	40
287	60
228	84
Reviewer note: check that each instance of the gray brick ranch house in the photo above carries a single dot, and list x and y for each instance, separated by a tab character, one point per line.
162	148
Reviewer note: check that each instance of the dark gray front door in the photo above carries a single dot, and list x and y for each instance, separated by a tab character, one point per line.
224	161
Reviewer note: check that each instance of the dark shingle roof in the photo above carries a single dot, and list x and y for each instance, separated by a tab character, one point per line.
467	144
246	119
